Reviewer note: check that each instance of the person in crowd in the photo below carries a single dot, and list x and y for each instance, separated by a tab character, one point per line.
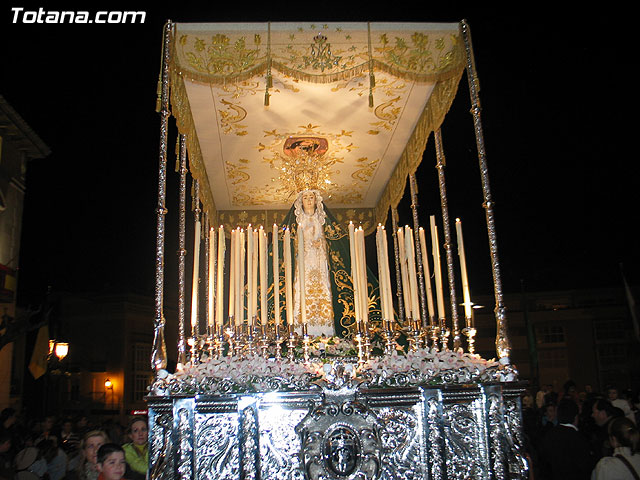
137	451
70	444
30	460
110	462
565	453
613	395
55	457
6	461
603	412
569	392
625	462
543	396
87	469
49	430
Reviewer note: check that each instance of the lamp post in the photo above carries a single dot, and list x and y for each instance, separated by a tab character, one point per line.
108	384
57	352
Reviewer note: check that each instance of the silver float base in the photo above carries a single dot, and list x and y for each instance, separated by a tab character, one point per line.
439	432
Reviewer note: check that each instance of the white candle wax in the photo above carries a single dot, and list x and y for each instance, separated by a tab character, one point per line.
437	271
362	274
427	273
387	275
276	275
301	284
288	283
413	282
354	272
263	276
220	277
211	276
232	274
406	295
196	273
463	271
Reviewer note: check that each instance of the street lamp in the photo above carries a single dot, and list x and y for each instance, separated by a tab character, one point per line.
62	349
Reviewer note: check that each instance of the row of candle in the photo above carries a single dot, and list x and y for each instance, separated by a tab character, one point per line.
249	256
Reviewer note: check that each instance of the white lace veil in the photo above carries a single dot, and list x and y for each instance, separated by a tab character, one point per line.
319	214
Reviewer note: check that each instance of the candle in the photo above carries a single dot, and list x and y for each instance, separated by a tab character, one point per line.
406	295
263	276
381	282
362	275
250	248
254	277
212	277
411	263
196	271
354	272
436	267
233	274
427	274
240	281
276	275
288	291
301	284
220	276
463	272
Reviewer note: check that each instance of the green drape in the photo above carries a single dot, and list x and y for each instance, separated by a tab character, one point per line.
339	260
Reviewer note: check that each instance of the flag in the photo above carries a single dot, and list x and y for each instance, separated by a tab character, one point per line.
633	309
38	363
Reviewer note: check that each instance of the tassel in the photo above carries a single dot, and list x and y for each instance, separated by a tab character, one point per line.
370	99
266	98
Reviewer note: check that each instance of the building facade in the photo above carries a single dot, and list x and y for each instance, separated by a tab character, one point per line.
18	145
586	336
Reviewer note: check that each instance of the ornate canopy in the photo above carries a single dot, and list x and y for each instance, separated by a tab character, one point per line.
262	103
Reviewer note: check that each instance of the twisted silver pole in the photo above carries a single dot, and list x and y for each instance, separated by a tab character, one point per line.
416	227
441	162
159	350
503	346
396	254
182	251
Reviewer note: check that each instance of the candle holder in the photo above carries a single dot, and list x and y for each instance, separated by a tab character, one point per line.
415	335
193	348
291	343
444	337
389	336
264	341
470	333
219	341
306	344
278	339
434	334
235	338
364	343
250	338
210	340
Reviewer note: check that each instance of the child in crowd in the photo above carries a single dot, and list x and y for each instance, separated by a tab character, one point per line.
137	452
111	463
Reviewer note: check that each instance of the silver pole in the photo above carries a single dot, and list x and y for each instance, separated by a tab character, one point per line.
182	251
503	346
159	351
441	162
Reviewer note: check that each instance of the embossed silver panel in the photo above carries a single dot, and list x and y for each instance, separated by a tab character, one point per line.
347	433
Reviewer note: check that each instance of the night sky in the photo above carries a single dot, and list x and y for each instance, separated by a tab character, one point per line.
558	107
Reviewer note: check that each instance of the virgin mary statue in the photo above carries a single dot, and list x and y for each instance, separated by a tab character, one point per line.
327	269
310	218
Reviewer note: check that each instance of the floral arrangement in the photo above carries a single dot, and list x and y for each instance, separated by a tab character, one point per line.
256	374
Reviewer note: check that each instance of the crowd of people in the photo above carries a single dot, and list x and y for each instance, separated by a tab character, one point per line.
72	448
582	435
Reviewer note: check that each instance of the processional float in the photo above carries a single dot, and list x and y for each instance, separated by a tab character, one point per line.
387	389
